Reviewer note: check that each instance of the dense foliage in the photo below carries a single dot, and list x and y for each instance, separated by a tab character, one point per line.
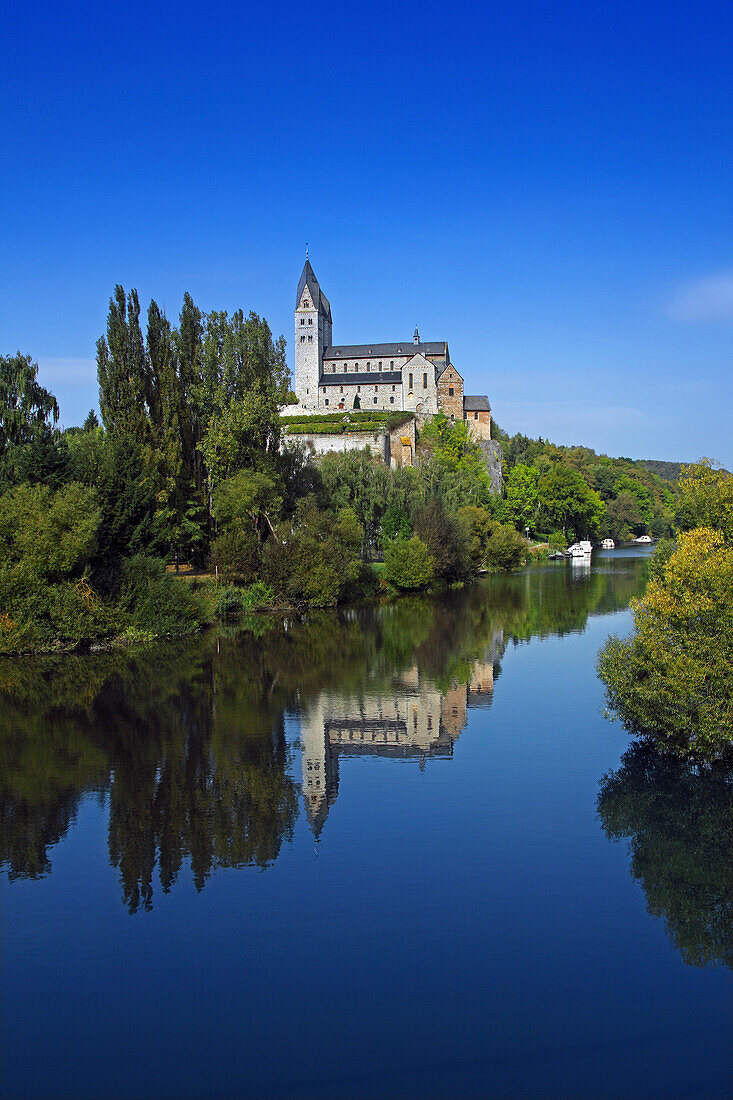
572	492
193	463
672	681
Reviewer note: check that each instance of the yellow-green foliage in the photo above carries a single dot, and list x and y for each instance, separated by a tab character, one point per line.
408	564
673	680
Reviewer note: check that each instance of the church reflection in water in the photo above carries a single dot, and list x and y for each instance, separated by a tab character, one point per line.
411	719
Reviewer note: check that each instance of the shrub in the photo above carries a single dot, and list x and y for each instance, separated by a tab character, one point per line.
319	428
408	564
447	539
155	601
78	616
236	554
316	560
672	682
232	602
505	548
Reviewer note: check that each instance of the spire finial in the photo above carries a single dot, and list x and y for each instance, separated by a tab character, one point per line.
416	337
306	250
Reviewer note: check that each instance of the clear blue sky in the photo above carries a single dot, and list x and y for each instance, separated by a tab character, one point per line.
546	186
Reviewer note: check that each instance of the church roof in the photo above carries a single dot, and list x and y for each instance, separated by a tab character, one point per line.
407	347
362	377
320	301
476	404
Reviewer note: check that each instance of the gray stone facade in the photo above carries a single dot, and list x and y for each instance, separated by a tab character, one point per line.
412	375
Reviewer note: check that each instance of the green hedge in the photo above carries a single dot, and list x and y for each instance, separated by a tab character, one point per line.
318	428
350	421
312	418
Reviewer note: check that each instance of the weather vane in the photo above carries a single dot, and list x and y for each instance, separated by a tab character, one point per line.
306	250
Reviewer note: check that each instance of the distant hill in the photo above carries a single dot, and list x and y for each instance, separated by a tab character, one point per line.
670	471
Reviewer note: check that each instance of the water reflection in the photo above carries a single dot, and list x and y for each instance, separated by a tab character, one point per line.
185	744
678	820
410	718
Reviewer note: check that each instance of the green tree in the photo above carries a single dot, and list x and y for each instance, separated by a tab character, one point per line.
623	518
672	681
28	413
706	498
408	564
447	539
522	496
122	369
567	502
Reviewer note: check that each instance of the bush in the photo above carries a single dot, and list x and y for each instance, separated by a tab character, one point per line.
316	560
505	548
236	554
408	564
233	602
672	682
319	428
447	539
155	601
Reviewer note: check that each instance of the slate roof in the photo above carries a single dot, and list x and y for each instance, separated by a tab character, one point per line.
476	404
362	377
320	301
363	351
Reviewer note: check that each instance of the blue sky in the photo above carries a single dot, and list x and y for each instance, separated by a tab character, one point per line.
546	186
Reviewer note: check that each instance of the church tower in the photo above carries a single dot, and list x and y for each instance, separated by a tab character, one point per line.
312	334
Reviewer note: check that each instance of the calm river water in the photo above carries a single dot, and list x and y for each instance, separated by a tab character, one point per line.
393	851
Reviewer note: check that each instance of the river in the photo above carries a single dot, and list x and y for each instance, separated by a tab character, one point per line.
389	851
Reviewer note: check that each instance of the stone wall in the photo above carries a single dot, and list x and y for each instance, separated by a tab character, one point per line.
480	426
317	444
450	393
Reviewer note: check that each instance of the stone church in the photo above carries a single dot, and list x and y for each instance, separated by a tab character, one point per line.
412	376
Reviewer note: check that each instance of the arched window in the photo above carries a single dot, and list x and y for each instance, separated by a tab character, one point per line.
391	364
410	381
367	366
302	320
341	389
326	400
310	320
376	390
380	364
425	381
375	400
334	368
391	400
450	391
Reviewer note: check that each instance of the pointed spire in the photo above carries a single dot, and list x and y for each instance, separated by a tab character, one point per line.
416	337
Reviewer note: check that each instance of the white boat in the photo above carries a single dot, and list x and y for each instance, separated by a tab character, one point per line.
586	547
644	539
608	544
576	551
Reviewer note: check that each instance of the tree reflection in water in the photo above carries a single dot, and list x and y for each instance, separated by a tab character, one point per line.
678	820
185	741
